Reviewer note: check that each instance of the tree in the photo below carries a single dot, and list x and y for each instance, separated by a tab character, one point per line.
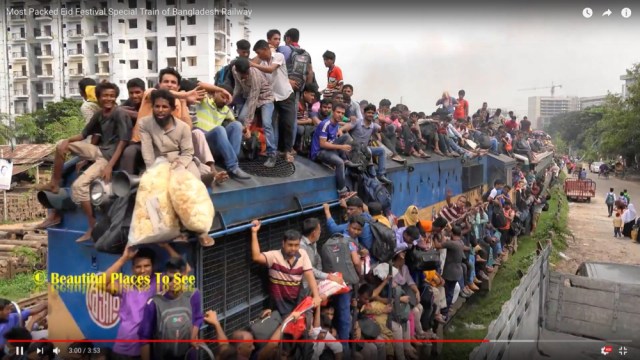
6	131
619	128
59	120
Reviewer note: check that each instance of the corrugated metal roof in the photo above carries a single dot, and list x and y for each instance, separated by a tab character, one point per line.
17	169
24	154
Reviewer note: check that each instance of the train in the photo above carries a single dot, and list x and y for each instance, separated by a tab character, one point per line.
228	280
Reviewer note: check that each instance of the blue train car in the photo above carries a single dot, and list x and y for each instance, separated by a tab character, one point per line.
228	280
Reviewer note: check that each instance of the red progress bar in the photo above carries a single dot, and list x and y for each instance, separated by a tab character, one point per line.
255	341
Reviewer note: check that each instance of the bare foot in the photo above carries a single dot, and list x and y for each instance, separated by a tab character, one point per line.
85	237
48	222
206	240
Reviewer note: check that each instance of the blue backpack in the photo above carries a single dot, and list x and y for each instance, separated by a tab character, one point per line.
374	190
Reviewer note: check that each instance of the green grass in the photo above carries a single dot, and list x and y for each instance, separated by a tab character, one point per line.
20	287
485	307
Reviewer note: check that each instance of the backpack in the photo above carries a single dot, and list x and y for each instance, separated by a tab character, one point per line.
374	190
256	145
112	231
400	312
336	257
498	220
484	141
384	241
224	76
420	260
610	199
298	66
174	322
485	196
306	139
360	155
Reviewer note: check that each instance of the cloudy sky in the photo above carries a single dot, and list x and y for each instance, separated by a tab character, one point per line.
416	51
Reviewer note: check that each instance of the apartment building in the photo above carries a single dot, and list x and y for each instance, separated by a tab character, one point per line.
543	108
50	48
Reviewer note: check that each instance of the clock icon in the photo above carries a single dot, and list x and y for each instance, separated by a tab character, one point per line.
587	12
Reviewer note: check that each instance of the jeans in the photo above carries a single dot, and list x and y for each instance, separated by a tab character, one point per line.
131	160
335	158
472	267
389	138
494	146
342	307
381	155
266	112
454	146
225	142
294	130
610	209
286	123
449	288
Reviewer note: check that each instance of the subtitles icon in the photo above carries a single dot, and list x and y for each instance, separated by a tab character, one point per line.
606	350
626	13
607	13
587	12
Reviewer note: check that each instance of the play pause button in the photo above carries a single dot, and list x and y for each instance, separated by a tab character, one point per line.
39	351
19	350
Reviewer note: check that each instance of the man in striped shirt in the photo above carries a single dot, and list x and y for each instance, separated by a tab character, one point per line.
287	266
453	211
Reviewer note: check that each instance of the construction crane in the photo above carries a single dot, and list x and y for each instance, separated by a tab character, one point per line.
552	87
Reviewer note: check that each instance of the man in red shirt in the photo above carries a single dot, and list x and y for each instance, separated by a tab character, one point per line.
511	124
461	111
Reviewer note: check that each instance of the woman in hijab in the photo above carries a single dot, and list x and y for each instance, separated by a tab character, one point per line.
628	219
409	218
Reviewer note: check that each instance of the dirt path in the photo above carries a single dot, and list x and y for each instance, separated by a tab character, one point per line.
593	229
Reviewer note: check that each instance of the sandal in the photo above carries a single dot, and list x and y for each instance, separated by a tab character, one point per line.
398	158
206	240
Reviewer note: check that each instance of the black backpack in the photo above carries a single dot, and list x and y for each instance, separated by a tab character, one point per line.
112	231
174	322
498	220
360	155
384	241
306	139
420	260
251	147
485	196
336	257
298	66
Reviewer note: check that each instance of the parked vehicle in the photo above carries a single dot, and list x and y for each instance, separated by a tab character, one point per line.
578	190
553	315
624	273
595	167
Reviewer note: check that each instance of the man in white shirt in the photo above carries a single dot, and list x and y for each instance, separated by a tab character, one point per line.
274	66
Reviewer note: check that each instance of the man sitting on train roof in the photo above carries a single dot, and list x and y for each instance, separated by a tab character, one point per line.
171	80
113	126
223	133
362	131
329	145
163	136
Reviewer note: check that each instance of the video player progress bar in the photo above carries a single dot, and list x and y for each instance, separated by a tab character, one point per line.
317	341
